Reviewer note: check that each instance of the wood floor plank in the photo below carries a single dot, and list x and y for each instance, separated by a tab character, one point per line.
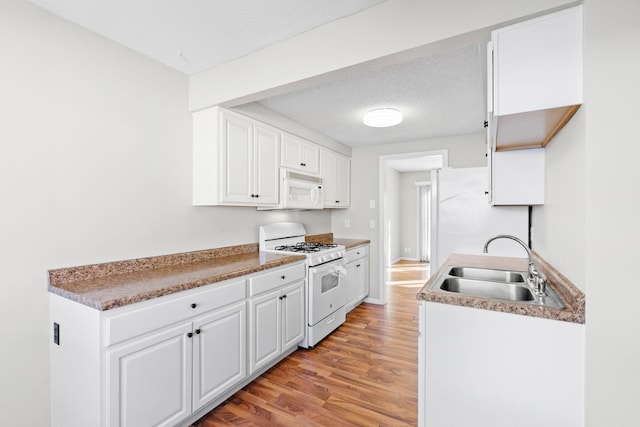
363	374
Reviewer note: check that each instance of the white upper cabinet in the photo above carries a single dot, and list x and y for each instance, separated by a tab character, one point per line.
235	160
518	177
299	154
537	78
266	148
335	171
535	87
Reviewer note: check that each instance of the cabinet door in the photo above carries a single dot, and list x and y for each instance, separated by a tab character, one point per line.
264	326
149	379
311	157
236	169
518	177
351	281
328	173
293	315
362	289
299	154
291	152
219	352
267	165
343	182
538	63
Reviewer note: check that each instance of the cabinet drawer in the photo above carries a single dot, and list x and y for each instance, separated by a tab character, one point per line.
357	253
275	278
146	316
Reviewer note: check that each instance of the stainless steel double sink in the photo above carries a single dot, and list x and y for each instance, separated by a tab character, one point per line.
505	285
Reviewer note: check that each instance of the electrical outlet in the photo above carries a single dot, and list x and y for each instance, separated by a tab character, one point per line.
56	333
372	223
347	223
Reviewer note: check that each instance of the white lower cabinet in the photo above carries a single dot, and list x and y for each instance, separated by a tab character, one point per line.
490	369
276	323
357	276
163	377
219	353
166	361
149	379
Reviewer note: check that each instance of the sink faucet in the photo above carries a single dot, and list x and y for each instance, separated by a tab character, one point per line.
536	278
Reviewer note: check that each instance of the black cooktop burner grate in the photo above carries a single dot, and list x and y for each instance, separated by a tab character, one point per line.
306	247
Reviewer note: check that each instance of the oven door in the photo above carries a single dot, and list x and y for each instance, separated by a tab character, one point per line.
327	290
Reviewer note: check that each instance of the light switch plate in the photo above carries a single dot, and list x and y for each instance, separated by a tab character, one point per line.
372	204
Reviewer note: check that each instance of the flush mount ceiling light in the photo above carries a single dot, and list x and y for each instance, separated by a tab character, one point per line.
382	117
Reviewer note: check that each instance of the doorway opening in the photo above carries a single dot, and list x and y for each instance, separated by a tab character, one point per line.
404	217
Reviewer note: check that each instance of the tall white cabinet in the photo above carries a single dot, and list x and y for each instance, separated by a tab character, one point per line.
235	160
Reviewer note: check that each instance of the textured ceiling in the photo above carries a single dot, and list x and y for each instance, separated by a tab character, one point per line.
439	95
196	35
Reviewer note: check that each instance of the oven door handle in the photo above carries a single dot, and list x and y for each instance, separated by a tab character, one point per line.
341	270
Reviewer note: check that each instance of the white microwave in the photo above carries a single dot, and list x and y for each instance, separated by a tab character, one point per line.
298	191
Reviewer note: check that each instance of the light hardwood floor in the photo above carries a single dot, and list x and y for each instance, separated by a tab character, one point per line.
363	374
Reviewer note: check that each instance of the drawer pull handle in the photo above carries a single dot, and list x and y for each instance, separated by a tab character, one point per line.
198	331
194	305
190	334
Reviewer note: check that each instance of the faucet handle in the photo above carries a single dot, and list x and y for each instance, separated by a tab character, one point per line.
540	283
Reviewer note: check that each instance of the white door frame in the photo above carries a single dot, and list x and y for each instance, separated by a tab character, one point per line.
382	217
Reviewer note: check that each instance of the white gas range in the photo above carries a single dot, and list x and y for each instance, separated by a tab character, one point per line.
326	274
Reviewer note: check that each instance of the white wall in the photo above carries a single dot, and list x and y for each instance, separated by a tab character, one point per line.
612	67
392	204
464	151
95	166
558	232
409	212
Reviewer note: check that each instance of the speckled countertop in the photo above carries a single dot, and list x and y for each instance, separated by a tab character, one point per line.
571	296
116	284
328	238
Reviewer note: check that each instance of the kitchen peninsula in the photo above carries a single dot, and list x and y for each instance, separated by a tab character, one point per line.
485	361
